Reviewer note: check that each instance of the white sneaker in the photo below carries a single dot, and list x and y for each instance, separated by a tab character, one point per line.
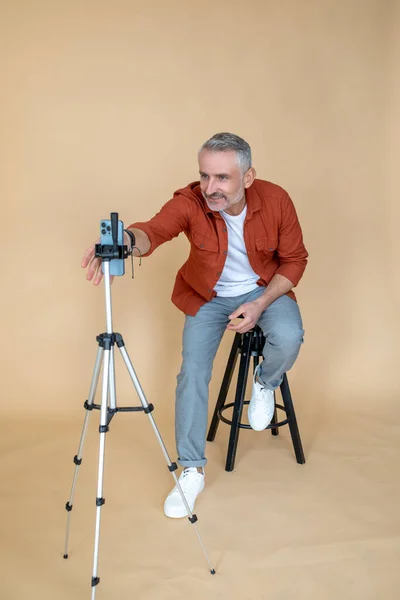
262	405
192	483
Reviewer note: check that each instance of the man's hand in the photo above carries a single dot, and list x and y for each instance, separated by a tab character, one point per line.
94	262
251	312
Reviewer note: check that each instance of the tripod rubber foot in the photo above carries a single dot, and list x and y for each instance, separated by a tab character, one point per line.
212	572
65	555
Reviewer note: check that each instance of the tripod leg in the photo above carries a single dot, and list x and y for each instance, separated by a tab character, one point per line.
78	456
112	387
171	466
103	430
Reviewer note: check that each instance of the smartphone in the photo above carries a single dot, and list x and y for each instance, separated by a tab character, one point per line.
117	265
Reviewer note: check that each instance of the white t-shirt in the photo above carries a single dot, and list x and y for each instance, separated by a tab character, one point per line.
237	276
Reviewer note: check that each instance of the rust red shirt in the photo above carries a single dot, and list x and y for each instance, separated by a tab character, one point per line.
271	231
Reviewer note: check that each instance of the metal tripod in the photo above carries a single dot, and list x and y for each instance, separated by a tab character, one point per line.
108	408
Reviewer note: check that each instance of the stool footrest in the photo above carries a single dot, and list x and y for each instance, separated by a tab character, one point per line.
244	425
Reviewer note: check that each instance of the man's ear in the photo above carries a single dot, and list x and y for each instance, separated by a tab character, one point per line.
249	177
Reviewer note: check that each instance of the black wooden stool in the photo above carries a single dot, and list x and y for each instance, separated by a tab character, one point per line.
247	345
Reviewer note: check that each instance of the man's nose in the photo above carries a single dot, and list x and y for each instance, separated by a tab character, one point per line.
210	189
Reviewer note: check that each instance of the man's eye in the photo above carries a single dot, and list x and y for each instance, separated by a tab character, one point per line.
223	177
202	176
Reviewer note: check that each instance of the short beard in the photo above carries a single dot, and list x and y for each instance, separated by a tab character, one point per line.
235	200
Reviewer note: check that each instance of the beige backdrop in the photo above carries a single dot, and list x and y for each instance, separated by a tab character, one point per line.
103	108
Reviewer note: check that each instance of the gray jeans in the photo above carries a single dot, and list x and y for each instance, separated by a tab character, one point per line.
282	326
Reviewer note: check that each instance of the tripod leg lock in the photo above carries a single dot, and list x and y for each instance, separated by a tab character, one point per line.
95	581
148	409
172	467
88	406
119	340
103	428
99	340
68	507
77	461
100	501
193	519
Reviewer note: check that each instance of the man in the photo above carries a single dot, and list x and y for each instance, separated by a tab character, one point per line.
246	255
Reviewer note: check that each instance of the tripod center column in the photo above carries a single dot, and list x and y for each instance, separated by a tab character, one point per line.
107	288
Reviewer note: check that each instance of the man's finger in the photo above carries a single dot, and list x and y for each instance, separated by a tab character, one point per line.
87	257
242	327
98	276
239	327
94	265
239	311
89	254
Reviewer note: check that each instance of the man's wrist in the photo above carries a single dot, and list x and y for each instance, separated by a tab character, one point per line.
263	301
129	236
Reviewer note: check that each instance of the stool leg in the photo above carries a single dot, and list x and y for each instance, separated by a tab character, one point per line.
239	400
256	360
292	421
274	430
223	392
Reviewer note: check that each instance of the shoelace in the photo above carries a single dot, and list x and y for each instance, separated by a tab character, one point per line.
260	401
183	480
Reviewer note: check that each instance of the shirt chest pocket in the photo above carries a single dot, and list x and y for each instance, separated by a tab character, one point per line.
203	243
267	246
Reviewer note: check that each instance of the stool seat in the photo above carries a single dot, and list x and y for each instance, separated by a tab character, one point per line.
250	344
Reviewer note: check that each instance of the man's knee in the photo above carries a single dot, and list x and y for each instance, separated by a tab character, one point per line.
286	339
195	368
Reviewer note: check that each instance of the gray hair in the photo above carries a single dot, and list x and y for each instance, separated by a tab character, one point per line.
226	142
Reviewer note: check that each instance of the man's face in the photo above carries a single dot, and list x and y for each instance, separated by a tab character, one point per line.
222	182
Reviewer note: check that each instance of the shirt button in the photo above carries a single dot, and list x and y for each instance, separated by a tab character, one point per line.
224	230
201	245
219	273
225	252
209	290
